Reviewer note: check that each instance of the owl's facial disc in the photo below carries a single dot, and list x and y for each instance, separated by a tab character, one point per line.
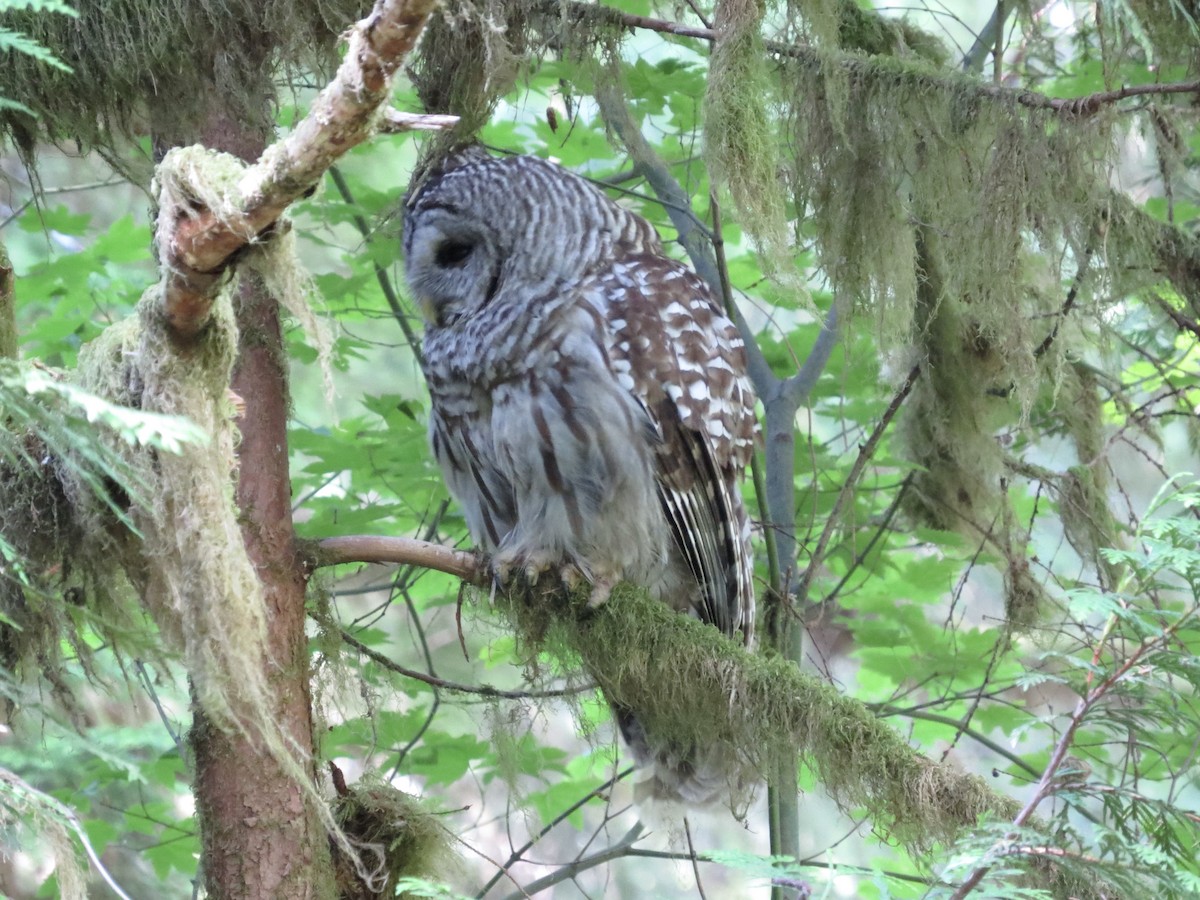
452	269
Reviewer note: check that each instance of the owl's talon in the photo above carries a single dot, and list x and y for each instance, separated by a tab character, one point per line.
571	577
499	582
513	572
601	588
534	571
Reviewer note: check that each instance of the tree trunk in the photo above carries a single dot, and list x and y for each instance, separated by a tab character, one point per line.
261	837
8	309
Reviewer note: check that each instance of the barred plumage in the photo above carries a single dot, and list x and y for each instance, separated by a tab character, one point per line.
589	398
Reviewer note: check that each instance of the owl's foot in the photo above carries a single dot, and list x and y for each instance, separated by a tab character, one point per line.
602	586
521	571
571	577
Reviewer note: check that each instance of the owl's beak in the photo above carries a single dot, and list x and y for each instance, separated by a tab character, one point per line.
425	305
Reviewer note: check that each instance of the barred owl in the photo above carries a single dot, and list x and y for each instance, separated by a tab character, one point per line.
590	405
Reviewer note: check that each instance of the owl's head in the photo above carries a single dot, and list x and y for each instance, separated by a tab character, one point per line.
482	229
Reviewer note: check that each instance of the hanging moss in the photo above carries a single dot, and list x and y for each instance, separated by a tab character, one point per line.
396	838
740	139
894	146
949	422
471	54
207	597
951	217
1168	33
138	65
869	32
64	585
189	562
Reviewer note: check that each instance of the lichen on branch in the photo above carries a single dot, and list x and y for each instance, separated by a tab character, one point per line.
197	243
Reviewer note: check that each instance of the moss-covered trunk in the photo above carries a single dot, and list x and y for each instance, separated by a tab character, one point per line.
261	836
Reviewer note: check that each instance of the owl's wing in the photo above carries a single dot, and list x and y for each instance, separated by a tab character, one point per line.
680	355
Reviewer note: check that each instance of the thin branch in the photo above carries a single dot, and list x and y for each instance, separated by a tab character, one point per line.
985	41
886	710
839	867
699	15
516	855
172	731
1068	304
483	690
573	869
687	830
1091	104
1177	317
797	388
865	453
859	558
368	548
381	276
416	737
393	121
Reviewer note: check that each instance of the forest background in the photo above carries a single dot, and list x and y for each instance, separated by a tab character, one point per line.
964	241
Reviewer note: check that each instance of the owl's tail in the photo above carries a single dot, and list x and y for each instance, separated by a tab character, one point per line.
691	774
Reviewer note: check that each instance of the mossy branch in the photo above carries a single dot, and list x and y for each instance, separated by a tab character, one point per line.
197	245
646	656
920	75
693	684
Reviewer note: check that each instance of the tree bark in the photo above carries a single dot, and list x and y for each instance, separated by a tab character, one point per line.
8	309
261	837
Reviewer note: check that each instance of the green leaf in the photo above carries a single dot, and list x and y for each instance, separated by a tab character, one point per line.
15	42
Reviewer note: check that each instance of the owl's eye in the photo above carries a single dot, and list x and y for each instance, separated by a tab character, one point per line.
452	254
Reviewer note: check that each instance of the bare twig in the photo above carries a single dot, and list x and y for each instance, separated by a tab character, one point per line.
393	121
885	524
1068	304
483	690
516	855
571	870
865	453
